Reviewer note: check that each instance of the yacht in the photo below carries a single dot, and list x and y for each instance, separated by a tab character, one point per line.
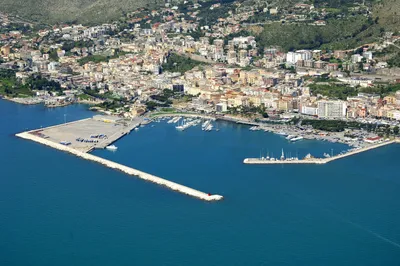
112	148
297	138
290	137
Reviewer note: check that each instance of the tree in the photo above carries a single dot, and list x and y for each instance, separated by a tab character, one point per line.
396	130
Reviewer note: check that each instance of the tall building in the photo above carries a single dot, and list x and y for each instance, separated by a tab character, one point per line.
332	109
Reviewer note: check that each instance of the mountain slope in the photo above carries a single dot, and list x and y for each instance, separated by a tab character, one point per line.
388	12
83	11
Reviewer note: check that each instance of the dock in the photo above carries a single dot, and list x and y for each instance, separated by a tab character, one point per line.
50	137
319	160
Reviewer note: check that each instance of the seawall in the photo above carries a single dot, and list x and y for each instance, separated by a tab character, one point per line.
128	170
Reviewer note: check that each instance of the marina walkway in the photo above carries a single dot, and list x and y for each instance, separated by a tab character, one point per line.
319	160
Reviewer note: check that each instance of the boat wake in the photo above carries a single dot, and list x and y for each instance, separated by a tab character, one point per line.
387	240
345	220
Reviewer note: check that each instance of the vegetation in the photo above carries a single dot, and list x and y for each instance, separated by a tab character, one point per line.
164	96
11	86
248	111
382	90
24	29
37	82
111	104
151	105
333	90
177	63
394	61
100	58
337	34
80	11
208	15
340	125
69	45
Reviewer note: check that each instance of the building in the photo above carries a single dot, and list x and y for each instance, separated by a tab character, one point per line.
309	110
5	50
221	107
332	109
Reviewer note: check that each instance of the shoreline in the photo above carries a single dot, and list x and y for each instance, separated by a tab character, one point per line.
125	169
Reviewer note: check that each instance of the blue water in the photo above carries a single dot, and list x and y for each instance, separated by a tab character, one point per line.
56	209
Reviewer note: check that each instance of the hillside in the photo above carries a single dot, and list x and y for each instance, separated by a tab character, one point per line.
346	32
82	11
388	12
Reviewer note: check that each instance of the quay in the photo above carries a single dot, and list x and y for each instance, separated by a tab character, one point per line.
51	137
319	160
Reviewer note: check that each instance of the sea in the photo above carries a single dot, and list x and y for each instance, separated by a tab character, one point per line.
57	209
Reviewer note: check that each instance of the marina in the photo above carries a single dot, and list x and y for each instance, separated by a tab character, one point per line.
309	159
55	188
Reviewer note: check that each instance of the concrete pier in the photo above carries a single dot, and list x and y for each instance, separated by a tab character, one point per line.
319	160
128	170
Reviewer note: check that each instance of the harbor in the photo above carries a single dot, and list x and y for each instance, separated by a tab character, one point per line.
309	159
100	132
85	135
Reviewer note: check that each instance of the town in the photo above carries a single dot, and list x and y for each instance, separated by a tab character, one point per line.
202	57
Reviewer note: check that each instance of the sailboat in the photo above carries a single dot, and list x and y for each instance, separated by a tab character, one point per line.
282	156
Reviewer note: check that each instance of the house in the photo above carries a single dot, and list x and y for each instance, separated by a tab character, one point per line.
372	139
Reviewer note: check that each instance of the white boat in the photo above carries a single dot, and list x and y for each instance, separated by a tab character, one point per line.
290	137
112	148
282	133
297	138
205	125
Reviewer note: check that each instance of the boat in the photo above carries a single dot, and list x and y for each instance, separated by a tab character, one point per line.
282	133
297	138
205	124
326	155
290	137
308	156
112	148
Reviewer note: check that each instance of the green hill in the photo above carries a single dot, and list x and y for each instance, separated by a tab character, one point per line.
82	11
388	14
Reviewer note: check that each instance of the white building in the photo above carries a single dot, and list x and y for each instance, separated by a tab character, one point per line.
309	110
356	58
293	57
221	107
368	55
331	109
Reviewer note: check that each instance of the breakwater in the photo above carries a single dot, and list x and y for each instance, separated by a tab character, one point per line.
128	170
319	160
